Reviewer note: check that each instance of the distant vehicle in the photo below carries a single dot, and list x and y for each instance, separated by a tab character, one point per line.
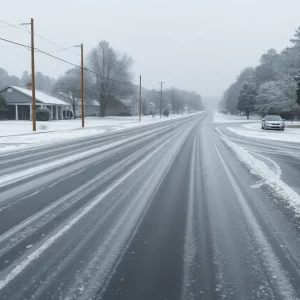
272	122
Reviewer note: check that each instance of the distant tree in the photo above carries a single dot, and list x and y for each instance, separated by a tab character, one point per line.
25	78
247	98
14	80
297	78
269	98
298	92
43	83
296	39
288	86
266	71
232	93
108	70
69	88
4	78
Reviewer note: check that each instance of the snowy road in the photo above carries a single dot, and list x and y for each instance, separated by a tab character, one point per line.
165	211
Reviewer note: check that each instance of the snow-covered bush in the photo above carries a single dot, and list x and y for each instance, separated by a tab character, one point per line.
166	112
43	114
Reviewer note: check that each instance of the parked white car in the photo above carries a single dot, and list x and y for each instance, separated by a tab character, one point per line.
272	122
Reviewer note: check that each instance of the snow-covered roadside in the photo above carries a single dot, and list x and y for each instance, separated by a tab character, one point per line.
16	135
254	130
222	118
268	176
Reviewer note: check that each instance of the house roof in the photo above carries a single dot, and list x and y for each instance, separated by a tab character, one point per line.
90	102
152	104
126	102
40	96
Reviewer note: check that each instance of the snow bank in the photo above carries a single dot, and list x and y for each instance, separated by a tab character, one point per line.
15	135
222	118
254	130
267	175
25	127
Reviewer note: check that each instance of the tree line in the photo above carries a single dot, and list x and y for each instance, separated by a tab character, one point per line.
273	87
175	100
42	82
107	74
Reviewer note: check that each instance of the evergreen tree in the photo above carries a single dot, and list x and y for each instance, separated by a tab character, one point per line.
298	92
247	98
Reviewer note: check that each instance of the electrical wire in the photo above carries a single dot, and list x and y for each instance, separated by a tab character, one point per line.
15	26
62	60
66	49
41	37
67	62
5	26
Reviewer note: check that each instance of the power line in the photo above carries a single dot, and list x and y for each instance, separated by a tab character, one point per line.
6	26
15	26
15	43
67	62
41	37
62	60
66	49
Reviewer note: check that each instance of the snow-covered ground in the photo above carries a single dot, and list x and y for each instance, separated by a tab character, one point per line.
269	176
253	130
222	118
19	134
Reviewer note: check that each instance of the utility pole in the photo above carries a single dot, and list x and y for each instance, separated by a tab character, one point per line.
173	101
33	112
140	100
161	87
33	77
82	85
82	88
182	106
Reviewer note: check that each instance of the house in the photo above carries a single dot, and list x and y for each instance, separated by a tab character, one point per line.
151	108
19	102
114	107
130	105
91	109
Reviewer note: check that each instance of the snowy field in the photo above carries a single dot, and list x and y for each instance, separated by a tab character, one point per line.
253	130
19	134
222	118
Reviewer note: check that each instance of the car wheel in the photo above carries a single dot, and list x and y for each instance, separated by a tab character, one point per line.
282	129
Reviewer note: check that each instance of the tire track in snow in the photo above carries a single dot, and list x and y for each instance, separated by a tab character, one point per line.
71	222
36	222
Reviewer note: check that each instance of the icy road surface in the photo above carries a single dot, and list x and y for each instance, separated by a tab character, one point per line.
183	209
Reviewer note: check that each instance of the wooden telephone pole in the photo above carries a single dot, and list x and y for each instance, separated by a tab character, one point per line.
33	111
140	100
161	87
82	87
33	77
173	101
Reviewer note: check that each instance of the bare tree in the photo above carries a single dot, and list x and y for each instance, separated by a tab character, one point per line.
110	74
68	87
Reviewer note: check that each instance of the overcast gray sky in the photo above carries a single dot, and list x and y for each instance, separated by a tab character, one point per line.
198	45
